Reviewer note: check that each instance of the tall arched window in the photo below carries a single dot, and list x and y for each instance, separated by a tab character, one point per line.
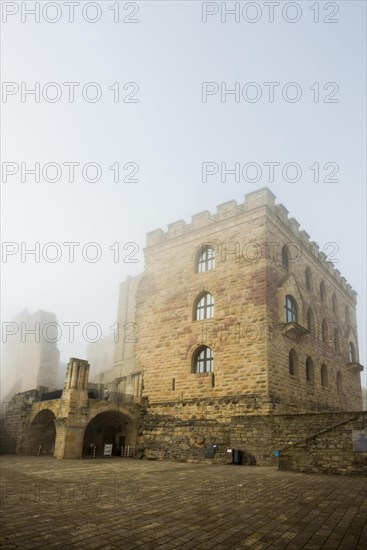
324	331
293	363
290	308
203	360
285	259
336	340
324	376
335	304
205	259
204	307
310	322
339	383
308	279
322	291
310	374
352	353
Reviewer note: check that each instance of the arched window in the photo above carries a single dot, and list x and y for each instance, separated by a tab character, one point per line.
308	279
310	322
285	259
324	331
352	353
203	360
206	259
310	374
290	308
324	376
335	304
336	340
204	307
339	383
293	363
322	291
347	316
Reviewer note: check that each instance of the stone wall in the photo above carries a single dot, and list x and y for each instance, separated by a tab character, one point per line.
326	435
182	431
122	373
168	438
13	419
263	435
330	451
169	336
248	336
337	310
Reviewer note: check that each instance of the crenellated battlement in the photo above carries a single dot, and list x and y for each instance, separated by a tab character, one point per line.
230	209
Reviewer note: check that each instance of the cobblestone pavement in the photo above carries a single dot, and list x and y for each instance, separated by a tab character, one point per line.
127	503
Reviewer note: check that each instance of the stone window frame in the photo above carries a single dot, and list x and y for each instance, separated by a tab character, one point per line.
310	371
206	309
205	259
290	309
310	321
336	340
324	376
205	360
293	363
352	352
285	258
308	279
324	331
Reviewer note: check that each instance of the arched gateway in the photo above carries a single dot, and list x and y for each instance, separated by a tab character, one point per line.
41	434
107	428
68	427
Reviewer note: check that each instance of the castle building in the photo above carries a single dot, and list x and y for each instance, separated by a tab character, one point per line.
240	304
239	334
30	356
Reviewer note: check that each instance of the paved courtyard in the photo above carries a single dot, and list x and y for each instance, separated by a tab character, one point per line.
127	503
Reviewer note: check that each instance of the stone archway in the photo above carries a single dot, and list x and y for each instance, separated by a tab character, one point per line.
41	433
109	427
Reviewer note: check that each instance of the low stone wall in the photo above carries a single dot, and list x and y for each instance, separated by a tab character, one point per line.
263	435
169	438
302	437
330	451
13	418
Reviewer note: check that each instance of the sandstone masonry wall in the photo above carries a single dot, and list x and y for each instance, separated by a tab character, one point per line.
247	334
296	390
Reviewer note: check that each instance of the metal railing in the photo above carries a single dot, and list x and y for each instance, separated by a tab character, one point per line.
110	397
98	394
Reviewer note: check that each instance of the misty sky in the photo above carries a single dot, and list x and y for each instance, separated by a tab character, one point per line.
167	133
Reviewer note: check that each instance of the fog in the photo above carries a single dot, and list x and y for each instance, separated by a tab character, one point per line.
123	156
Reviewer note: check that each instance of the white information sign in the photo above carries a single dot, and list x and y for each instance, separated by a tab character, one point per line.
107	451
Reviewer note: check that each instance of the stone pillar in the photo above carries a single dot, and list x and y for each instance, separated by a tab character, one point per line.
69	439
74	374
77	374
74	399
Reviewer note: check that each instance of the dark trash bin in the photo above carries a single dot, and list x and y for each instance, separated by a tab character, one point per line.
237	456
209	451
